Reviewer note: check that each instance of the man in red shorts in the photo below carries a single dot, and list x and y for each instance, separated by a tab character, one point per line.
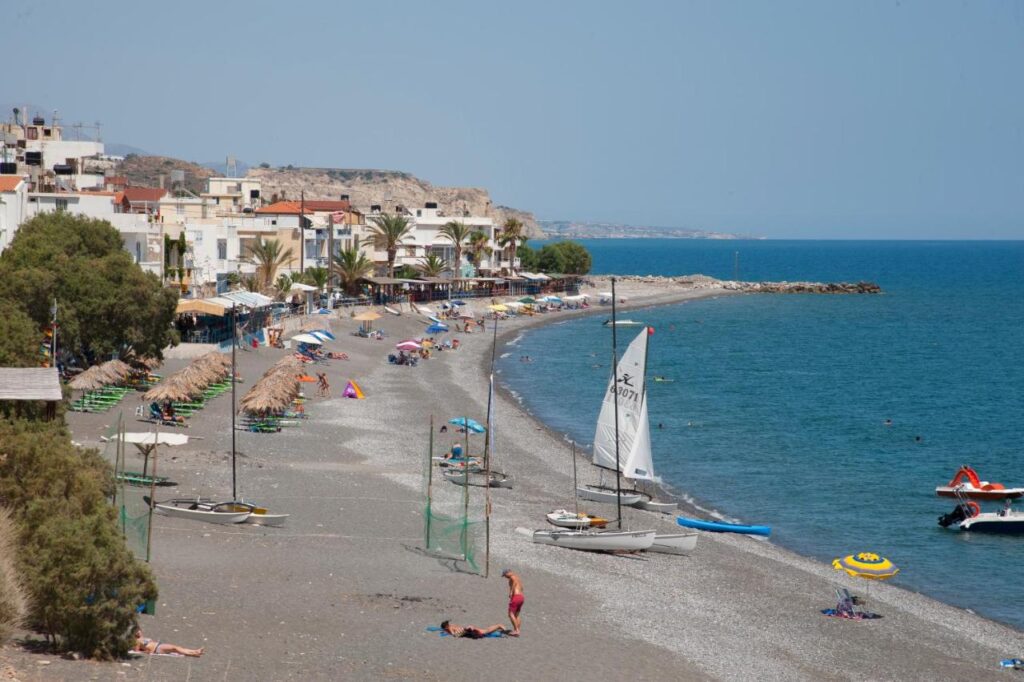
515	600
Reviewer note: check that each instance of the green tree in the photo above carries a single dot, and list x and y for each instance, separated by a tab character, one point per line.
550	259
351	265
576	259
457	233
19	337
269	255
283	284
388	233
316	276
527	258
511	238
83	582
406	271
252	283
13	594
432	266
106	303
479	246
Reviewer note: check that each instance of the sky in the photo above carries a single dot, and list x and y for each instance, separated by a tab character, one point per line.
818	119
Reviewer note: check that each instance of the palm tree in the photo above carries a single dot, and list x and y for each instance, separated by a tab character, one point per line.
510	238
432	266
351	265
457	233
283	284
317	277
479	246
251	283
269	256
388	233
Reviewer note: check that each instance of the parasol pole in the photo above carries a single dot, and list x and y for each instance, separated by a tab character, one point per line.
430	482
615	375
152	499
234	382
575	497
488	446
465	494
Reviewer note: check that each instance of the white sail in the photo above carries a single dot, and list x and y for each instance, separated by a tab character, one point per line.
634	433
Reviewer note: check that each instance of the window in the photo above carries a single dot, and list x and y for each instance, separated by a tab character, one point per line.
179	209
61	204
410	252
222	249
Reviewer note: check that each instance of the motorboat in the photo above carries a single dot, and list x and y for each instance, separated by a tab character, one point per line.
967	516
470	464
593	540
675	543
567	519
623	323
722	526
969	484
600	493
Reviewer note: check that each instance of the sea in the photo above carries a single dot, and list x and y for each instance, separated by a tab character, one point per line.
779	406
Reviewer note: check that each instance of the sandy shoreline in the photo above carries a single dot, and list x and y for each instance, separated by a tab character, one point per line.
343	592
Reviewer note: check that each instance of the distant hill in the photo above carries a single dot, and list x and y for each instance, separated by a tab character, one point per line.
586	230
118	149
145	171
366	187
221	168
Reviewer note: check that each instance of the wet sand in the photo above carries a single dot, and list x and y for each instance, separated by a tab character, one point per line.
344	591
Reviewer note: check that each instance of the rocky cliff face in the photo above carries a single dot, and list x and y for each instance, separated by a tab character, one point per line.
145	171
387	188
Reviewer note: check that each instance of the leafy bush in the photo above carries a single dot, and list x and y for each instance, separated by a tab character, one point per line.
83	582
13	597
564	257
107	304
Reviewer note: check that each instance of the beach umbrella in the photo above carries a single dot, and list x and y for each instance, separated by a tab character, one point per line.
368	316
468	424
499	307
306	379
527	300
408	345
321	336
458	302
434	319
866	565
89	380
467	315
437	329
551	299
307	338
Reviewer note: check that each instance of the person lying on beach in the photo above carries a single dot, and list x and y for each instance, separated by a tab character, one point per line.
470	632
148	646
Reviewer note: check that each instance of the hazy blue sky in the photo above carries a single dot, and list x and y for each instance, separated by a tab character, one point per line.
784	119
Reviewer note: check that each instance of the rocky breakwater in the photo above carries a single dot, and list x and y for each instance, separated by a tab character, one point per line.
652	282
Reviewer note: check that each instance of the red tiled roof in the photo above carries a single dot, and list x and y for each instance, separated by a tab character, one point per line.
9	183
312	206
143	194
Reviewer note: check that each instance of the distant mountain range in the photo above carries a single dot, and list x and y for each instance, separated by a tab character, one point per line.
586	230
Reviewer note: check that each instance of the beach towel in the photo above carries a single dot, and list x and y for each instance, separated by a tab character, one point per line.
1015	663
857	615
442	633
140	654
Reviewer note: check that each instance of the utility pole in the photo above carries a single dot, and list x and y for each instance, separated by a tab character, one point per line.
302	232
330	254
234	383
53	336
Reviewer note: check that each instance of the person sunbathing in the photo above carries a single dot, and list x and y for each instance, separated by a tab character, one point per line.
146	645
470	632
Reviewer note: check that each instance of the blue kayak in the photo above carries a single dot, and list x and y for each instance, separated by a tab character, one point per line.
722	527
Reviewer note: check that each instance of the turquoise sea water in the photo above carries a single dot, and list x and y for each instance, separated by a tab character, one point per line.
776	413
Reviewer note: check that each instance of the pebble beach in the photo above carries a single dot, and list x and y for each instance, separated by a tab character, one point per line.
345	591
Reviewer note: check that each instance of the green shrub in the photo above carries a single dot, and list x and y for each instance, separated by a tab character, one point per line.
13	596
83	582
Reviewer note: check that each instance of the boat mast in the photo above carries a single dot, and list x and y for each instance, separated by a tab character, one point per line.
615	379
430	481
234	376
575	495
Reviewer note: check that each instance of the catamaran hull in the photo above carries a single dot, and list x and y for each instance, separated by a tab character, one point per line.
649	504
225	518
596	540
607	495
674	543
973	493
722	527
567	519
479	479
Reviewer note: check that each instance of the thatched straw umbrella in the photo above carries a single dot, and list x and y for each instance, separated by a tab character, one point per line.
116	370
215	359
173	389
89	380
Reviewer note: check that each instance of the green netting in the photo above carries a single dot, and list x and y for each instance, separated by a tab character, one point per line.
132	511
451	537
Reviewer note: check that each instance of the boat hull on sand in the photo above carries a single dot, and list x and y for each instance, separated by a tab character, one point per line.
722	527
973	493
596	493
258	516
196	512
648	504
675	543
593	540
567	519
479	479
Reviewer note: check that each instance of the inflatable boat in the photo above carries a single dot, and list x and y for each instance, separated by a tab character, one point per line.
723	527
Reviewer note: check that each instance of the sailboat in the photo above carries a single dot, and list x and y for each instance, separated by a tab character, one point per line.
623	426
600	540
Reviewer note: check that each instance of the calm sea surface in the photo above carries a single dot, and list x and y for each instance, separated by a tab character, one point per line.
776	414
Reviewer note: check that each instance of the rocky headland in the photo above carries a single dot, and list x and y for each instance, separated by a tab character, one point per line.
631	282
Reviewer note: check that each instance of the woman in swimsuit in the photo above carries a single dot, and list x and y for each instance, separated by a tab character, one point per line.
148	646
470	632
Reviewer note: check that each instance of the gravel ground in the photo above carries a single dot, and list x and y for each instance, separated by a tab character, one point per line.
345	592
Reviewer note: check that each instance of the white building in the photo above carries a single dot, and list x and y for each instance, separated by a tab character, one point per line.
426	239
13	207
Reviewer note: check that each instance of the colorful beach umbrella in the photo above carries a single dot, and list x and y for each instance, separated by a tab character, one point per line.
468	424
499	307
866	565
407	345
437	329
307	338
458	302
